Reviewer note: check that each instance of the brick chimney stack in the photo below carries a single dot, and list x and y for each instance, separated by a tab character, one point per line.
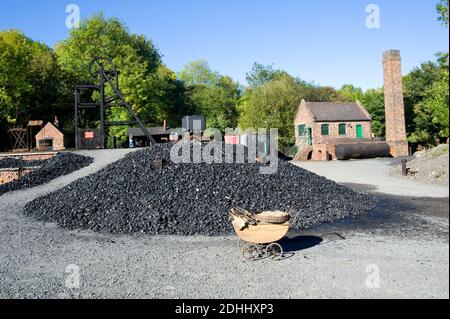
393	104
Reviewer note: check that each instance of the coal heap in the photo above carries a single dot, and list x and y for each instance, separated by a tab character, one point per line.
10	162
133	196
59	165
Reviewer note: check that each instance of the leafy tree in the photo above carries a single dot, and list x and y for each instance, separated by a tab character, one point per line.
261	74
326	94
166	95
350	93
199	73
28	79
272	105
373	101
426	99
134	56
211	94
442	9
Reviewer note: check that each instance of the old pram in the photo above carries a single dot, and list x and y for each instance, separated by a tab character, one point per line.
260	232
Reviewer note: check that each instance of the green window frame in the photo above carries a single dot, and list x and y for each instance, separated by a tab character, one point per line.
302	130
325	129
342	129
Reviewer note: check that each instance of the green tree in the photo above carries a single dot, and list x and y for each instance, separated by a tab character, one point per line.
166	95
272	105
261	74
442	9
211	94
373	101
350	93
28	79
199	73
426	99
326	94
135	56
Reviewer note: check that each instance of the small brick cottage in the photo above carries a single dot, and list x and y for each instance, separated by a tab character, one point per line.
50	138
319	126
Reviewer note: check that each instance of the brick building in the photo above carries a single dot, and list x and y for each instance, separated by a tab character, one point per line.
320	126
50	138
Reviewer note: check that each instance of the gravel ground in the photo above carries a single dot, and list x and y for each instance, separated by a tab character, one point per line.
374	172
404	239
430	167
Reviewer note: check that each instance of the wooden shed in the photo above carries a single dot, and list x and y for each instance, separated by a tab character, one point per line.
50	138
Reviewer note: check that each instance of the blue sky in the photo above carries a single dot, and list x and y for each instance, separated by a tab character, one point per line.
324	41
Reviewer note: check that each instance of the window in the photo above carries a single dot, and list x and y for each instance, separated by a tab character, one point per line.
302	130
342	129
325	129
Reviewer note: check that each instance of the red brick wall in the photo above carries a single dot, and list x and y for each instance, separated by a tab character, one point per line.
334	131
9	175
39	157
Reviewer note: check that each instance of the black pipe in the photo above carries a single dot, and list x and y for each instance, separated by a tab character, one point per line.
362	150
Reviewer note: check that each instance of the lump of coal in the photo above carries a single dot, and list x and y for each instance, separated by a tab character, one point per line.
131	196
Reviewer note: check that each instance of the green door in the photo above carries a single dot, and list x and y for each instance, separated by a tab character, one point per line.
359	131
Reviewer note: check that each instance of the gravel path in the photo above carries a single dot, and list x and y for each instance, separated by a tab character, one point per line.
410	254
374	172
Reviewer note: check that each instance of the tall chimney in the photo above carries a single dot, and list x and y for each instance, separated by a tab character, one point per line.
393	104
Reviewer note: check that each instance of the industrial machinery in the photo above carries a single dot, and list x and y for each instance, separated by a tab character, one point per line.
106	77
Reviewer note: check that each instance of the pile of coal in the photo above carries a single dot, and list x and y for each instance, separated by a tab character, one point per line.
146	192
10	162
59	165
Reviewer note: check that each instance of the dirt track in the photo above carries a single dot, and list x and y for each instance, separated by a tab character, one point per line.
404	243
